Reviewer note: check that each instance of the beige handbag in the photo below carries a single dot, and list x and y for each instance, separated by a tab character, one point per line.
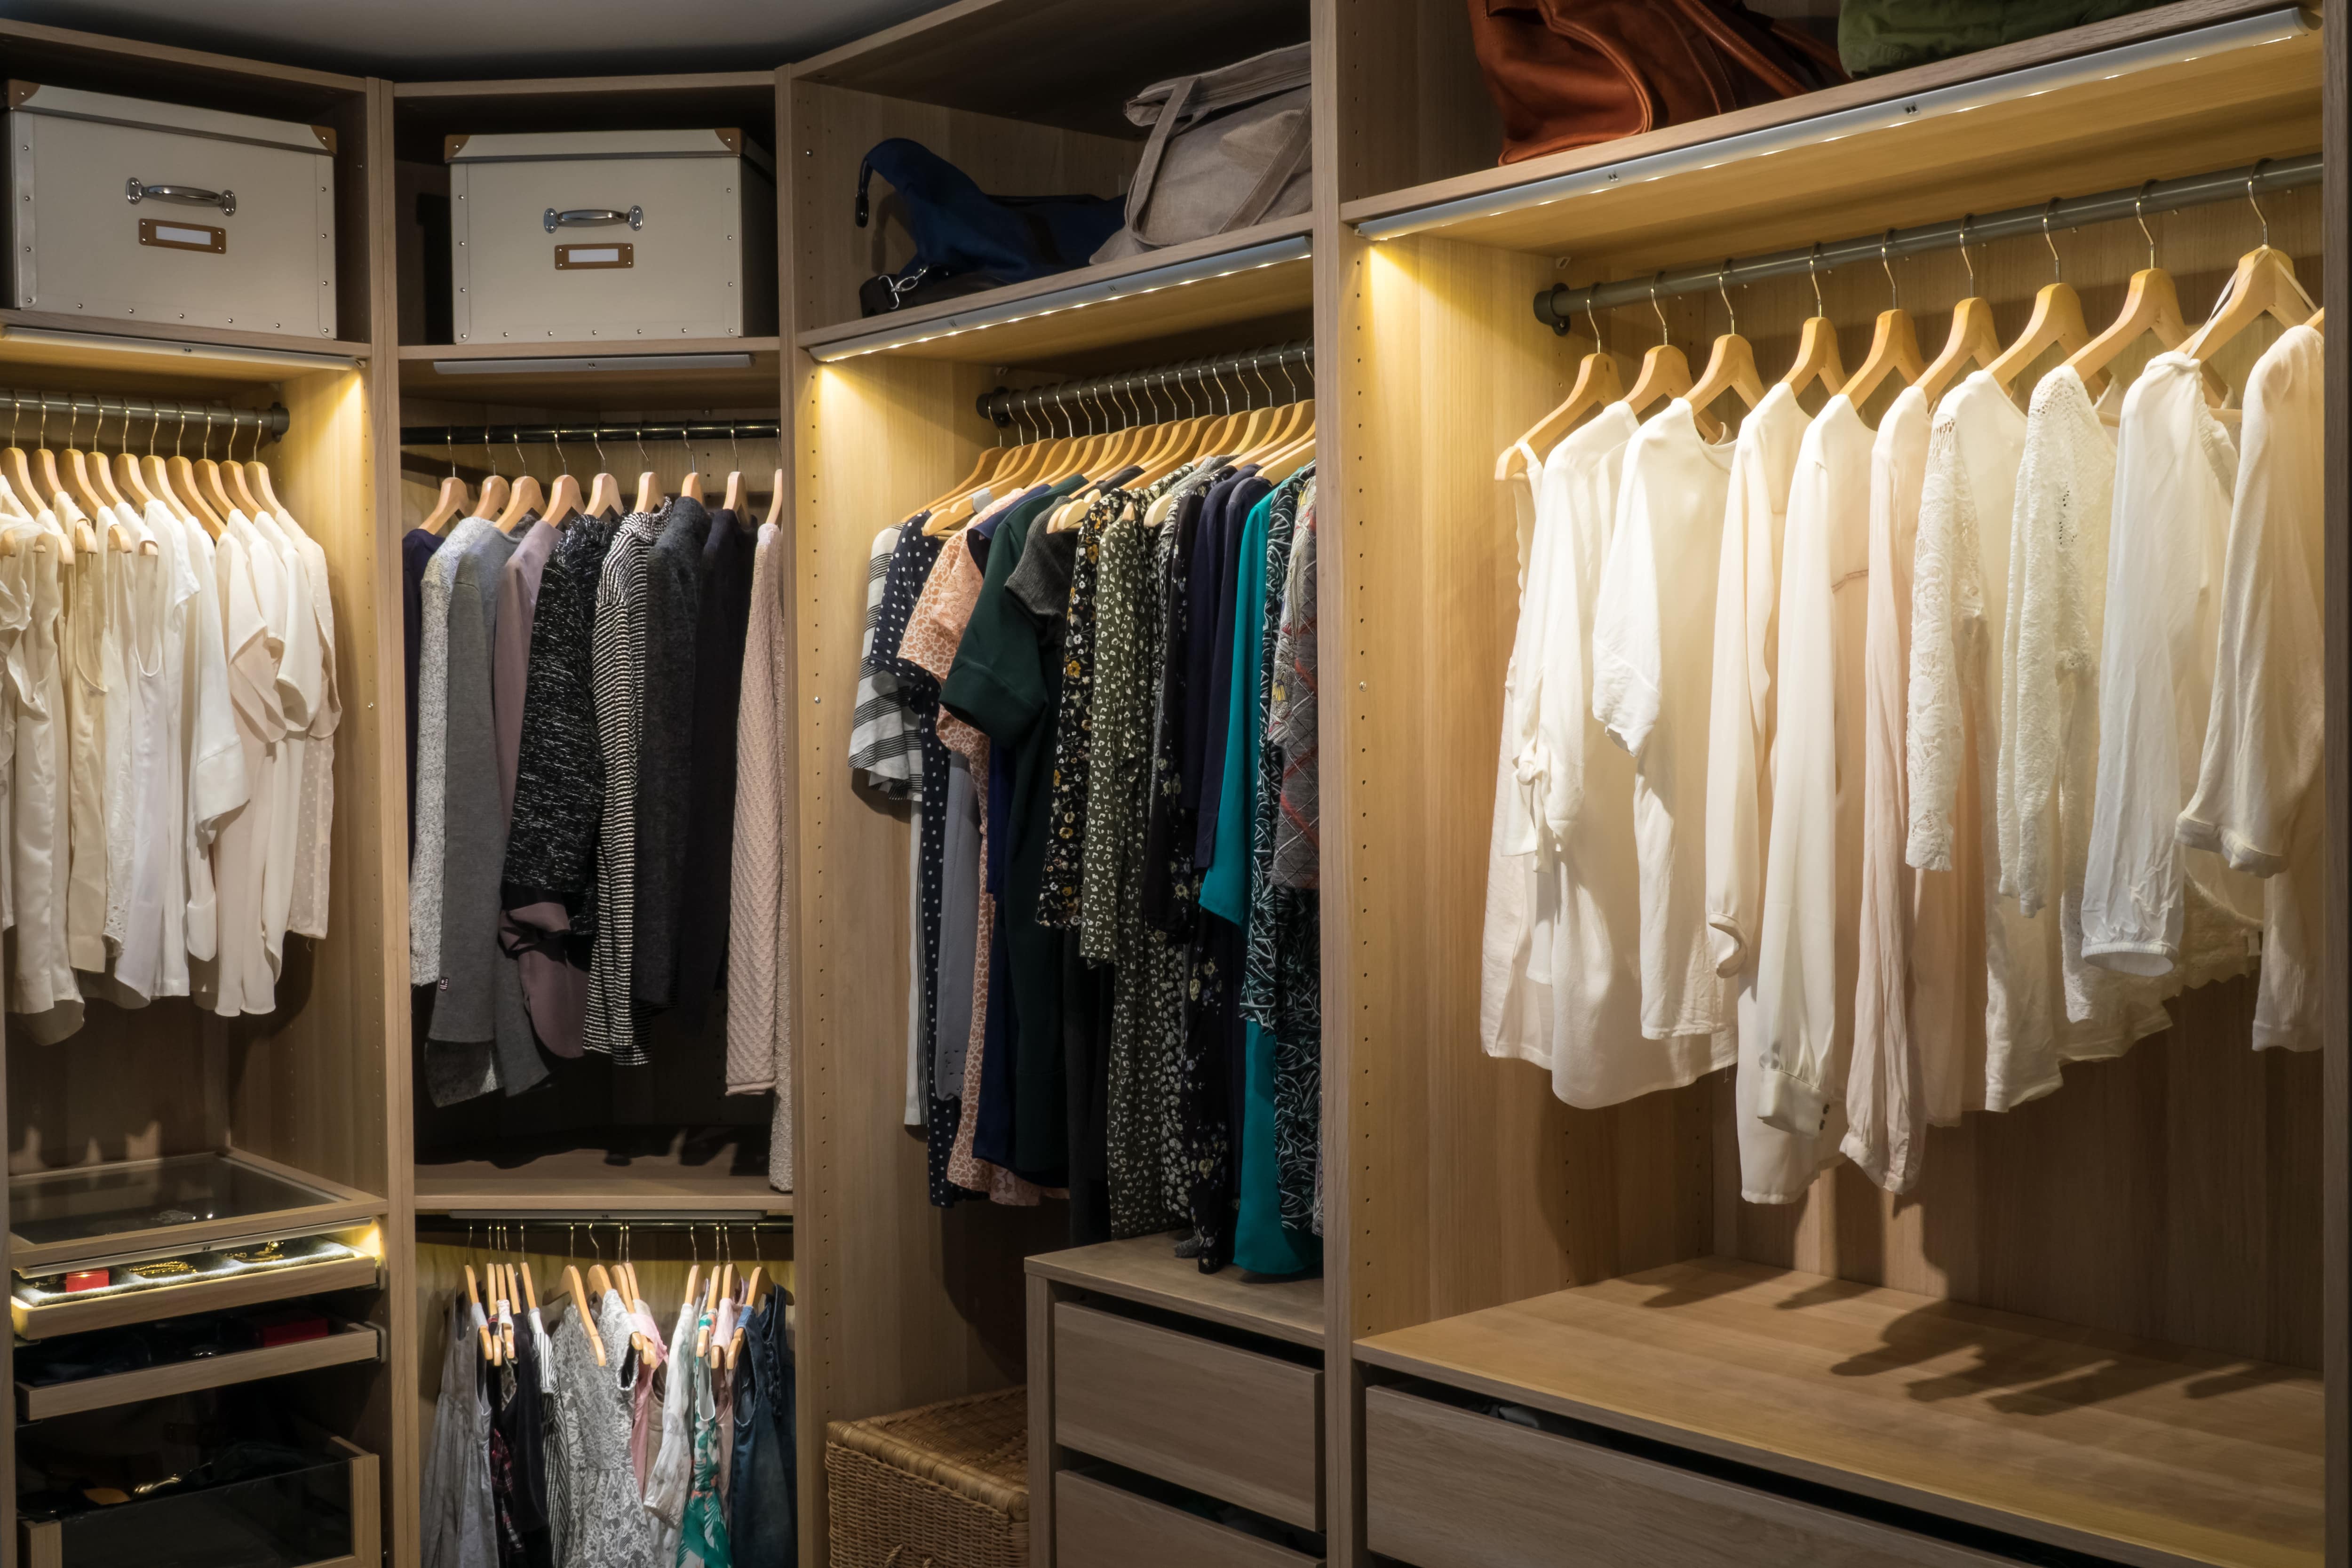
1228	149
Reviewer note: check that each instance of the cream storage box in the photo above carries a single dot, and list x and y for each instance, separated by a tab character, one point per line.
134	211
610	237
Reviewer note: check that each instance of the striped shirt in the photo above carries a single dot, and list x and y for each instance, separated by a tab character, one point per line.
620	673
883	738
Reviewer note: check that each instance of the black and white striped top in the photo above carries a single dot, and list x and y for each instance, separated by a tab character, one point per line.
620	671
884	740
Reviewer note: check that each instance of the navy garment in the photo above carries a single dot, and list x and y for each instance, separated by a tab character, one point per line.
720	632
417	547
764	1502
1205	568
1240	501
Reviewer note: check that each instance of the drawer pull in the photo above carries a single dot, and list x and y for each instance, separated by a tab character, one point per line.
590	217
194	196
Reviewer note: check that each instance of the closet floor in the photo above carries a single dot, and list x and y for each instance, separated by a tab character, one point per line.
2063	1433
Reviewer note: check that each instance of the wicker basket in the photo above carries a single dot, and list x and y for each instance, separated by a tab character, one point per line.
946	1486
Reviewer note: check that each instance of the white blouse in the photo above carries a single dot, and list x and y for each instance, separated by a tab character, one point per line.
1910	997
1652	669
2261	799
1808	958
2152	905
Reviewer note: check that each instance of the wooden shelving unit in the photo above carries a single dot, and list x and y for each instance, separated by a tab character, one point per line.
583	1183
2095	1442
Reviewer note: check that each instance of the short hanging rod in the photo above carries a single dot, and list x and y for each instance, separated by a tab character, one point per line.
609	1219
1558	304
143	413
543	435
1000	405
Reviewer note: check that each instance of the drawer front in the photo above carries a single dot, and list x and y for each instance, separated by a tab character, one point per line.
83	247
1449	1489
1238	1426
679	273
1100	1526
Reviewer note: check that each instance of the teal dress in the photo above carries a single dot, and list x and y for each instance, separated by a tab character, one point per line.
1261	1243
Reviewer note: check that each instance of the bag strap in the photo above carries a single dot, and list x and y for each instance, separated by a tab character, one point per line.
1744	49
1147	173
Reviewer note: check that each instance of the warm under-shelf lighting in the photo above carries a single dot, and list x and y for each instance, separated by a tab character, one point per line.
217	353
591	364
1077	297
2179	49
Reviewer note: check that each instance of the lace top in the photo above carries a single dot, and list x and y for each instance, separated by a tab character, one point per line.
604	1525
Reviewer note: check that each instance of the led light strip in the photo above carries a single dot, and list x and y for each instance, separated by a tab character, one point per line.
2179	49
113	342
1132	285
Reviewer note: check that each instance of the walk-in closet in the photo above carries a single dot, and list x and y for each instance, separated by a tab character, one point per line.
1398	784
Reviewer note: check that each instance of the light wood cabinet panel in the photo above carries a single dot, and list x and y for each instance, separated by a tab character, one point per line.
1446	1488
1231	1422
1100	1526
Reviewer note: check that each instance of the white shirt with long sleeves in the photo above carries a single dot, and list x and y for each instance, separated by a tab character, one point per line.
2145	893
2049	684
1652	667
1514	1004
2262	782
1807	956
1775	1166
1912	1026
1951	742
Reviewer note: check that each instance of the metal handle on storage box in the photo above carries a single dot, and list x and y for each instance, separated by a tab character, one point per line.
589	217
193	195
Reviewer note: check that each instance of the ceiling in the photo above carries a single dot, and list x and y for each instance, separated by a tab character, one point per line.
443	40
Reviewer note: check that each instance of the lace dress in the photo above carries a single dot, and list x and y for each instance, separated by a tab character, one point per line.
602	1524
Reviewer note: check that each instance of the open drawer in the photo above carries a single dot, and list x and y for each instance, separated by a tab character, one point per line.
1240	1425
345	1342
327	1515
212	1282
1098	1525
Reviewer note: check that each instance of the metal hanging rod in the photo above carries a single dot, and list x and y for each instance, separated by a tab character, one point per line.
150	412
1000	405
1556	305
543	435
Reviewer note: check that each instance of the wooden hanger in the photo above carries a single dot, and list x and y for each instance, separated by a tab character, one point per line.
191	496
523	499
743	1314
2057	319
256	473
474	1298
1894	351
562	501
1597	385
232	475
690	486
496	493
776	499
599	1280
2318	322
604	494
101	472
1974	340
648	493
985	465
1817	347
579	1310
209	481
731	498
134	485
2263	285
448	508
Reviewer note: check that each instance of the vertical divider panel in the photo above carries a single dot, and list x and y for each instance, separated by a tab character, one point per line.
2335	1325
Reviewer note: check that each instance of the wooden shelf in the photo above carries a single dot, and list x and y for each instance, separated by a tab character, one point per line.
1146	1269
1250	273
2134	1451
617	383
115	1311
1014	58
579	1182
347	1342
425	112
82	352
2176	91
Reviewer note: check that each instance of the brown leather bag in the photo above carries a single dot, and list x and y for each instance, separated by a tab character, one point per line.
1568	73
